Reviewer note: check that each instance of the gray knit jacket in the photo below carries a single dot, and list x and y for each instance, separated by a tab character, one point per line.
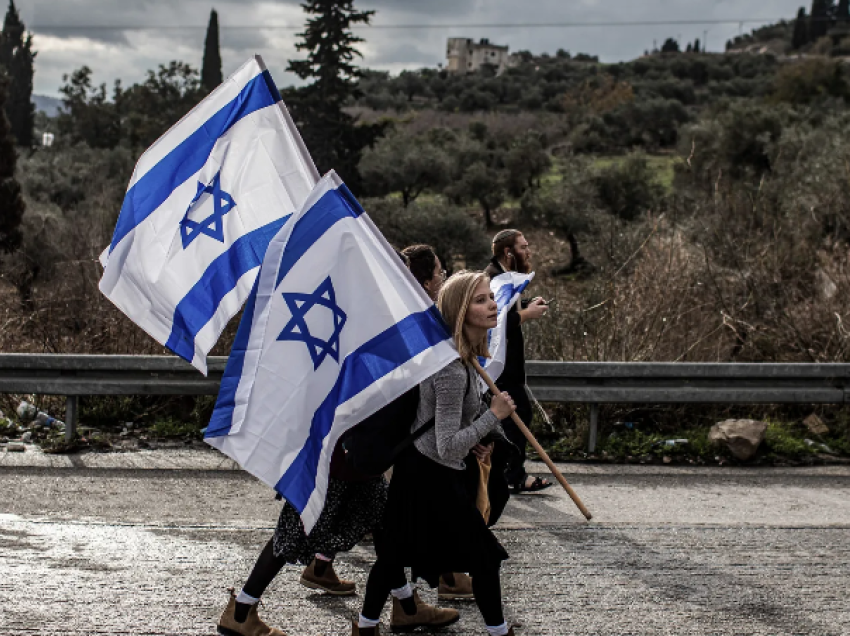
460	422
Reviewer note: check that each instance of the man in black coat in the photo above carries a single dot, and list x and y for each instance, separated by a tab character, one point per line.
511	252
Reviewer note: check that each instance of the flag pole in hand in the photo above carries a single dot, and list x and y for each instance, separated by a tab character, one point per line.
536	445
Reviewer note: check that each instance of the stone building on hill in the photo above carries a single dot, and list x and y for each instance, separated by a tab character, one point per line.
464	55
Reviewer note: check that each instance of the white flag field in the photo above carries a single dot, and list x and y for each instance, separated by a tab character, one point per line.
335	328
201	207
507	289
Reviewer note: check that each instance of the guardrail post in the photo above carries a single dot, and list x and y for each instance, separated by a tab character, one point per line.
594	420
71	409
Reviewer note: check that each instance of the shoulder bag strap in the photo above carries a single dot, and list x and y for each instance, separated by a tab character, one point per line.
419	432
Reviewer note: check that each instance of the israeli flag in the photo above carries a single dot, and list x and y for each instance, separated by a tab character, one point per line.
507	289
335	329
202	205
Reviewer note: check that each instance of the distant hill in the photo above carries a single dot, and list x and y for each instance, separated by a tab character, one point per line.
778	39
49	105
772	38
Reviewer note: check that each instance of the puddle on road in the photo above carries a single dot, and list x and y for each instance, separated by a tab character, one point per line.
15	539
98	578
121	575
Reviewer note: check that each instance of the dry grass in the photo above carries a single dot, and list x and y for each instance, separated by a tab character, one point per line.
674	300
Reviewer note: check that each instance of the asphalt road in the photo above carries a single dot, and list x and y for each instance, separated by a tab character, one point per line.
147	543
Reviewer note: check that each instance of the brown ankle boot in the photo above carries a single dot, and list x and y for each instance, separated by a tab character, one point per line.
253	626
425	616
460	591
364	631
329	582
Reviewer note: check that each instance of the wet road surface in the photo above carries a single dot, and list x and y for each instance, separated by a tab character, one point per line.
147	543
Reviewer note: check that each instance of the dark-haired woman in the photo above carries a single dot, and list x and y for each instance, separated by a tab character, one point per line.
426	268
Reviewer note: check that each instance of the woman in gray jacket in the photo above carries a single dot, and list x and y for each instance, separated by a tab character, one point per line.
431	522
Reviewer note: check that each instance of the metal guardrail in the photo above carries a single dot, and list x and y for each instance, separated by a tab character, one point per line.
592	383
596	383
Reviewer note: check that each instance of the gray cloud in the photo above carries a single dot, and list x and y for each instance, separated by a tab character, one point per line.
127	53
388	56
108	36
447	9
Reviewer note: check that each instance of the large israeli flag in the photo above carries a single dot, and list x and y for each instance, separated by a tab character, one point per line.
507	289
335	328
202	205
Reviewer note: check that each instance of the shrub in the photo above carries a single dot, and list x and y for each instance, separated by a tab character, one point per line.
628	188
454	235
737	141
407	164
810	81
472	100
781	439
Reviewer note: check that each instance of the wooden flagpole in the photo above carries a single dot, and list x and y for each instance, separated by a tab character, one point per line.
536	445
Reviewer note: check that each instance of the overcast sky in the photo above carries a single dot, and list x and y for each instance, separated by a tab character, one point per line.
73	33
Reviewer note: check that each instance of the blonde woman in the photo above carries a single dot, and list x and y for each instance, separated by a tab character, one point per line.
431	522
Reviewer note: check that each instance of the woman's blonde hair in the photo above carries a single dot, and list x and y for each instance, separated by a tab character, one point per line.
453	303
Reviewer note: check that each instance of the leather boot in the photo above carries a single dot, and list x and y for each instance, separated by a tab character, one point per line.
253	626
329	582
460	591
364	631
425	616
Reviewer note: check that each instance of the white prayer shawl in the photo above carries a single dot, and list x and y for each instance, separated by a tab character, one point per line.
507	289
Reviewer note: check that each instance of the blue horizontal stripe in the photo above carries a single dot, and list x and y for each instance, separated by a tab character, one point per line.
333	206
151	191
362	368
197	307
222	417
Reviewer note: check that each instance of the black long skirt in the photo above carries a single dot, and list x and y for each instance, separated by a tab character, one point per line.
431	523
352	510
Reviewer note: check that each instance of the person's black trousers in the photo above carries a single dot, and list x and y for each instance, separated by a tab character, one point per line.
385	576
513	461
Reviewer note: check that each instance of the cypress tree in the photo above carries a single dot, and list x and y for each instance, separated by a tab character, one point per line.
17	56
670	46
333	137
11	202
822	14
697	46
800	38
211	72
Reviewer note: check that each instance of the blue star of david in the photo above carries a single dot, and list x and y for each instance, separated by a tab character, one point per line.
297	330
213	225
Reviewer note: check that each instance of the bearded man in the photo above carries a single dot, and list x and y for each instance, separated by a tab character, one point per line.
511	252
